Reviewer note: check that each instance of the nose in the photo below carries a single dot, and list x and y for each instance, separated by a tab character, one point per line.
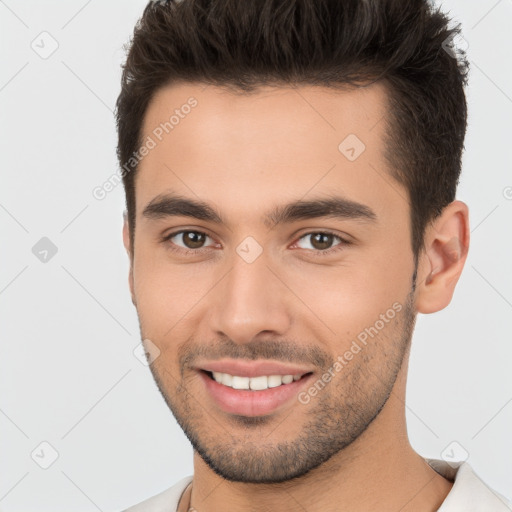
250	300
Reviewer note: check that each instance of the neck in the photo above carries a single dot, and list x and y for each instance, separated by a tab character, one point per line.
378	471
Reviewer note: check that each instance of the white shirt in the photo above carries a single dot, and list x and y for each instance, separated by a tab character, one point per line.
468	494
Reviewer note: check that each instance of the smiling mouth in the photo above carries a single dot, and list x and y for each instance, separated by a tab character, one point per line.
259	383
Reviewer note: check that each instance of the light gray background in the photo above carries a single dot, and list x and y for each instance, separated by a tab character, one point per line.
68	375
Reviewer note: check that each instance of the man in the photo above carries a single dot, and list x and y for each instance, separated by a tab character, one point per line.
290	169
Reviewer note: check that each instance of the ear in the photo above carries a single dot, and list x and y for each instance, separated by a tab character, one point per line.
440	264
127	246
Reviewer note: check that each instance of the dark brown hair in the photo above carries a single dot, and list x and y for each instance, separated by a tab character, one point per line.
243	44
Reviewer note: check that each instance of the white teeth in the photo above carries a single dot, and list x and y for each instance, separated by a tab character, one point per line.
240	382
227	379
258	383
255	383
274	381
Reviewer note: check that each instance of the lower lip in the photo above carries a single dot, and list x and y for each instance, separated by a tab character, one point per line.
245	402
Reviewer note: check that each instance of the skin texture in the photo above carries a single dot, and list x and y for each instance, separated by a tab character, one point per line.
347	448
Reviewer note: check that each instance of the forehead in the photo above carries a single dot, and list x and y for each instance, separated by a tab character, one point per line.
221	115
245	151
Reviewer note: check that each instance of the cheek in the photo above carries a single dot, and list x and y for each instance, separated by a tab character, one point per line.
152	289
351	296
165	293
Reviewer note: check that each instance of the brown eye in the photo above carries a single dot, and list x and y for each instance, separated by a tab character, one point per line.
320	241
193	239
187	239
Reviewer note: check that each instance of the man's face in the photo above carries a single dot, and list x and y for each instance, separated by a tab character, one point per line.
306	292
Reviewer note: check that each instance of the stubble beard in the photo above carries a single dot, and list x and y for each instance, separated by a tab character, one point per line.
236	447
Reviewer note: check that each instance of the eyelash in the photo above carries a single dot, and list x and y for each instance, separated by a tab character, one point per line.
316	252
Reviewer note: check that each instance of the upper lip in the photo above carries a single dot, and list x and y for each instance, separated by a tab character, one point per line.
243	368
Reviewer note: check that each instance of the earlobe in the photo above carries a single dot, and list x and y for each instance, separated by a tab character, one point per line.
442	262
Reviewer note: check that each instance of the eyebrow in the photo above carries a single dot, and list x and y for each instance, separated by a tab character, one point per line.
170	205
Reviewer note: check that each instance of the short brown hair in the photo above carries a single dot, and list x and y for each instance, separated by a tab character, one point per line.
243	44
